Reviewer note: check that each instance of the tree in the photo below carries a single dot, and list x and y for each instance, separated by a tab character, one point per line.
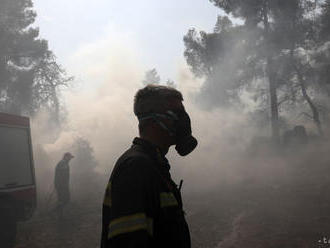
225	58
29	74
223	24
325	20
264	15
84	165
244	56
324	56
170	83
151	77
303	69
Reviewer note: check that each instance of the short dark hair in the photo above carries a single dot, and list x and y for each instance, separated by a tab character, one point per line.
153	99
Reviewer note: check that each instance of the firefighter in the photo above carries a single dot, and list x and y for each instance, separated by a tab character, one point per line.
142	205
61	182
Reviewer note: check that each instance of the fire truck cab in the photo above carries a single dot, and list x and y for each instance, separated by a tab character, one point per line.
17	179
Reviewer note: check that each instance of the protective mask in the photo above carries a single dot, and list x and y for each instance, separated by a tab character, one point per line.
185	142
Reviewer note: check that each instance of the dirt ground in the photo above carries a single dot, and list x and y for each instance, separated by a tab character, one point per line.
278	202
81	226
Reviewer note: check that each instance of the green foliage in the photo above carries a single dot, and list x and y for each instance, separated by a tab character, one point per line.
29	74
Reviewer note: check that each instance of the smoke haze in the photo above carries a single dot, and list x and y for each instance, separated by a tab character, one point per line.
101	111
226	167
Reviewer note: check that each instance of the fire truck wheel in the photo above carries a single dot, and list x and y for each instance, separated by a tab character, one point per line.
8	228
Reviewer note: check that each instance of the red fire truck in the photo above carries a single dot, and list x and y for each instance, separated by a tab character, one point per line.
17	180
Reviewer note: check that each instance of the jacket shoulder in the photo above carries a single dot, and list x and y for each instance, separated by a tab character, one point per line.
133	161
61	165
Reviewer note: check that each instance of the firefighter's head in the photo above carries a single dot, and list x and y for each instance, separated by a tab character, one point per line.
68	156
163	119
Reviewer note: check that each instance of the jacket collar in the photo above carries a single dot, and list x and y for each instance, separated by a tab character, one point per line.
153	150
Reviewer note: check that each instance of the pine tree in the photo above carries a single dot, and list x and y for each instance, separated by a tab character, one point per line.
151	77
29	74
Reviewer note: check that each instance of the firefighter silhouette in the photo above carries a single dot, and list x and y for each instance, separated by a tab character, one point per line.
62	183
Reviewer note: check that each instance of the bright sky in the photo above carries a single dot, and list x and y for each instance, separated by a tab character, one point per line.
156	27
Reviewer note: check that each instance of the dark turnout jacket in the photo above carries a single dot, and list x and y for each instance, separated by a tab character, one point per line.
62	180
142	205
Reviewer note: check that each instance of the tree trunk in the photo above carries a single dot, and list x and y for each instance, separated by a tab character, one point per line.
273	102
271	78
315	111
56	112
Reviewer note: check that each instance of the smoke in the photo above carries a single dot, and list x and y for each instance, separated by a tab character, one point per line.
100	125
101	111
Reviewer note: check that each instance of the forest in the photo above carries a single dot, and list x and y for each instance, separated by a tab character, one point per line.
261	177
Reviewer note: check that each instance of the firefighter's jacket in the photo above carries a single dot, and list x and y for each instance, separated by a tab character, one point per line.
62	180
142	205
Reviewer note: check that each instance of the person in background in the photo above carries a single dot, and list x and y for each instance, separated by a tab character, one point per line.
142	206
62	183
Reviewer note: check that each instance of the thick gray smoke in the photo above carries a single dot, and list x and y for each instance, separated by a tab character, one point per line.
102	113
226	180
